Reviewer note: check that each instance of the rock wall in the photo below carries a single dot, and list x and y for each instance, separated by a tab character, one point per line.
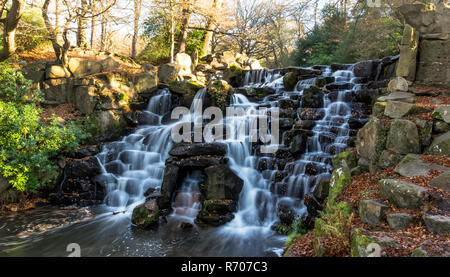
425	48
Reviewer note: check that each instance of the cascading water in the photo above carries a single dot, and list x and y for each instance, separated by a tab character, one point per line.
136	164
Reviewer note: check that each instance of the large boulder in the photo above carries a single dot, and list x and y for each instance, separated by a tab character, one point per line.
440	145
403	137
411	165
437	223
110	64
185	63
85	99
371	140
366	69
168	185
187	90
59	91
409	47
397	109
168	73
56	71
433	66
403	194
184	149
222	183
108	121
219	92
147	81
429	19
442	181
371	211
399	221
83	67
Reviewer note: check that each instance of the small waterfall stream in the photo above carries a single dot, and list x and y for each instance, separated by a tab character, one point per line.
135	165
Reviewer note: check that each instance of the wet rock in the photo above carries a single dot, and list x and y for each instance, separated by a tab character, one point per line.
312	98
403	194
403	137
312	114
366	69
168	185
336	67
213	219
198	149
146	216
312	205
339	86
440	145
219	207
222	183
399	221
438	224
367	96
82	168
371	211
321	190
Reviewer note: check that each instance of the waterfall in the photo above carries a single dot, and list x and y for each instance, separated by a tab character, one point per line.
136	163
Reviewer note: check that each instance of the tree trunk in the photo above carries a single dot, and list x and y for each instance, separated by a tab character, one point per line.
10	23
316	6
104	30
206	49
93	24
57	21
172	32
187	12
82	26
137	15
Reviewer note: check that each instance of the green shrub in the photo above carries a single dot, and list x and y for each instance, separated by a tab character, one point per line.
29	147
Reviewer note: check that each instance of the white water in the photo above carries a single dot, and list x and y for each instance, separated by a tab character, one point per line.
137	162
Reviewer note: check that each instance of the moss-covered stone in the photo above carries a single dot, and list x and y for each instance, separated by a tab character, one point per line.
359	243
187	90
371	211
146	215
378	109
403	137
220	207
403	194
219	92
371	141
346	158
440	146
340	178
419	252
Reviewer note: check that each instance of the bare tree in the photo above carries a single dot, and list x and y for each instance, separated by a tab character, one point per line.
73	13
211	21
93	7
10	22
137	15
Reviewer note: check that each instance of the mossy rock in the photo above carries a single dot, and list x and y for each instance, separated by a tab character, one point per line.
440	145
359	244
419	252
220	207
346	158
378	109
219	92
340	178
403	137
187	90
146	216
